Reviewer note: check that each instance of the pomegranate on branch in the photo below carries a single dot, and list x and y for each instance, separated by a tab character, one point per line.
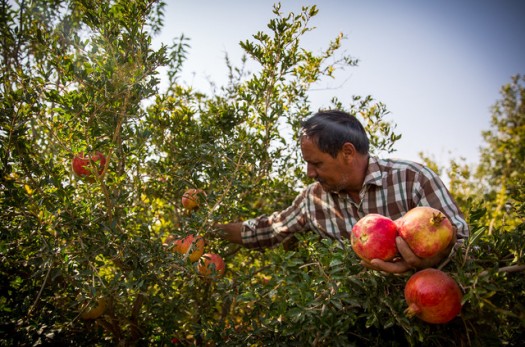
191	245
211	265
191	198
85	165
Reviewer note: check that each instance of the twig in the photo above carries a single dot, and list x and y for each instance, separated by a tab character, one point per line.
40	291
511	268
225	192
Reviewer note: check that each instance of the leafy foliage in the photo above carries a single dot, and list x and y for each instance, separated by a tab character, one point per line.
81	76
502	159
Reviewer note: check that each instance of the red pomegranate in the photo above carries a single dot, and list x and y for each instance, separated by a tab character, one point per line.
211	265
374	237
426	230
191	246
432	296
81	164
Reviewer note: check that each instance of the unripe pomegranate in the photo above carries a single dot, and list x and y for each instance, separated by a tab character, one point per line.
96	311
432	296
426	230
374	237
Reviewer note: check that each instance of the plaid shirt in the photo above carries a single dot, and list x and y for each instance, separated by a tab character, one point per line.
391	188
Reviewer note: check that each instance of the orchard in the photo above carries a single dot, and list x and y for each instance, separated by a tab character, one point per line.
110	187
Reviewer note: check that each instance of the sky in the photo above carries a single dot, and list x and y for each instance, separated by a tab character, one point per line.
438	66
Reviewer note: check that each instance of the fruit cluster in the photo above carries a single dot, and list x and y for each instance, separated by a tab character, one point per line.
426	230
431	294
192	246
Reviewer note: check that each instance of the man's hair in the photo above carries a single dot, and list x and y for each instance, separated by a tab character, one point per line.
331	129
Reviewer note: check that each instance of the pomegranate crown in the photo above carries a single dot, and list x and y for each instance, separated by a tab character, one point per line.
437	218
412	310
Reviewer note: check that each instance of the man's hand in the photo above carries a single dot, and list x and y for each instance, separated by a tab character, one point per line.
408	259
230	232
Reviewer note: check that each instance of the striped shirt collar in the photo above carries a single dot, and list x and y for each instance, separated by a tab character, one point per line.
374	175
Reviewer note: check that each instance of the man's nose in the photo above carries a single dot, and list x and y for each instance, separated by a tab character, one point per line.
310	171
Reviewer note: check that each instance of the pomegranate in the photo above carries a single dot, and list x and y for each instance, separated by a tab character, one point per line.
374	237
191	198
81	164
432	296
96	311
191	245
426	230
211	264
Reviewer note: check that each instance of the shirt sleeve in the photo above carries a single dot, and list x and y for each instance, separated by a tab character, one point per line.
433	192
268	231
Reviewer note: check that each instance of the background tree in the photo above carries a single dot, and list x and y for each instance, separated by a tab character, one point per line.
502	163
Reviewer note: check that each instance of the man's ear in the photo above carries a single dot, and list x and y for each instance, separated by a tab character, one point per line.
348	150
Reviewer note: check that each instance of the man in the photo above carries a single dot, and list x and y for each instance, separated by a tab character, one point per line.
349	185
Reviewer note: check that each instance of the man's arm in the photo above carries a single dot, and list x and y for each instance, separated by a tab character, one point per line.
266	230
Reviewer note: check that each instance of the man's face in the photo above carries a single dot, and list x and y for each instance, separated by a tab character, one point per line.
332	173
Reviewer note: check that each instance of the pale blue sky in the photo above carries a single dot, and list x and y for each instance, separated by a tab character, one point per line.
437	65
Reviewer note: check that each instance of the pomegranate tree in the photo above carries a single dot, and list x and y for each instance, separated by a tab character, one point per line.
374	237
426	230
433	296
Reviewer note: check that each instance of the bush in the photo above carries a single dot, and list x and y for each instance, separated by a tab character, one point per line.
81	76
